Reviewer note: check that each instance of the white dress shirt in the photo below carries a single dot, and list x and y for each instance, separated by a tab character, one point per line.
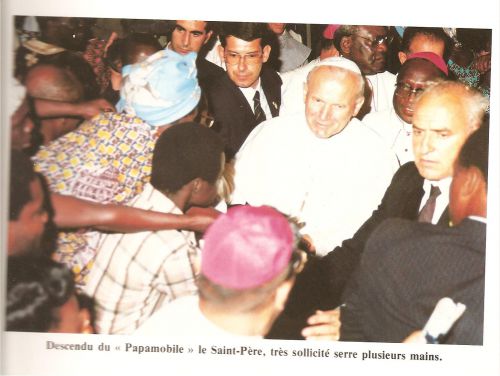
396	133
383	86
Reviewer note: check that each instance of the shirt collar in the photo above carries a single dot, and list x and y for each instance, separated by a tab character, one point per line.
477	218
249	92
443	184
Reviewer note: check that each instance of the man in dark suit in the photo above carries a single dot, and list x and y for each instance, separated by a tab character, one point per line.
250	92
407	267
445	115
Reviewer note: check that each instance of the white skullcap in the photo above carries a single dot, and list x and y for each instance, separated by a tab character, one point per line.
340	62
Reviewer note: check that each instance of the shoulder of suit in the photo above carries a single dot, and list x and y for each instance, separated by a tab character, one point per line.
409	170
269	75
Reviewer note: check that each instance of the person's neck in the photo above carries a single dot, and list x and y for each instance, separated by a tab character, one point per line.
179	198
255	323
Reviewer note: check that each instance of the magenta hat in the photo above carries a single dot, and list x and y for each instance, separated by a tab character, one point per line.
247	247
437	60
329	31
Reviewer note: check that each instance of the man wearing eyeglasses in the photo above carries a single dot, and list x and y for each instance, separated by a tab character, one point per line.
420	71
367	46
249	92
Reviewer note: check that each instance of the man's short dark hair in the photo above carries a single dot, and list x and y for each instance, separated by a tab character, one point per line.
21	175
433	32
247	31
475	150
183	152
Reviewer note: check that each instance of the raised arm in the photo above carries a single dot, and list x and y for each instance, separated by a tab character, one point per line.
87	110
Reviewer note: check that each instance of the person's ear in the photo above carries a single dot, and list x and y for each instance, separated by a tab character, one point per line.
282	292
196	185
221	53
346	45
209	35
402	57
473	183
86	321
266	51
305	90
358	105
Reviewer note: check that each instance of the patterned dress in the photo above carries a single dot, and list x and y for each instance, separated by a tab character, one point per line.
106	160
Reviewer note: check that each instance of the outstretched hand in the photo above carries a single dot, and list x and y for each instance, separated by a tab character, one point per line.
201	218
323	325
89	109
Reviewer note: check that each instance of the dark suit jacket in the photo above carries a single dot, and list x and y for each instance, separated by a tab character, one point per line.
234	118
323	281
401	200
406	268
207	72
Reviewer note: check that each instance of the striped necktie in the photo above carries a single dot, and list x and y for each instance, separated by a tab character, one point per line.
259	114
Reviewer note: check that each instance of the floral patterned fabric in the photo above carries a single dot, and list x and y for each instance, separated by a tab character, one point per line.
105	160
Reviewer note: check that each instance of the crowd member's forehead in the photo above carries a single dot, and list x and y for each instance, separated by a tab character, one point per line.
421	67
373	31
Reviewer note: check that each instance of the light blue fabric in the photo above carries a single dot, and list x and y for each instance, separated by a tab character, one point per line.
161	89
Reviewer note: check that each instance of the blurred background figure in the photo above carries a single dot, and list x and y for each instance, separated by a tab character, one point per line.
41	298
289	53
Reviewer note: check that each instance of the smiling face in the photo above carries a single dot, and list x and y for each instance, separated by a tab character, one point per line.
189	36
415	75
331	100
440	128
244	60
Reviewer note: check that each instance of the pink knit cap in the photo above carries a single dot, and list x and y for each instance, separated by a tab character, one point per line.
247	247
435	59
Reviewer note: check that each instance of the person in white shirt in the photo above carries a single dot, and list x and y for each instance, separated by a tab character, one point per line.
323	167
394	125
249	263
291	52
134	274
367	46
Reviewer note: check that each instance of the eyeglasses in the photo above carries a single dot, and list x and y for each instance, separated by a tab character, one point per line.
250	59
374	43
405	90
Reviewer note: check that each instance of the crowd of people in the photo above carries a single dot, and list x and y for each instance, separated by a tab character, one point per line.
218	179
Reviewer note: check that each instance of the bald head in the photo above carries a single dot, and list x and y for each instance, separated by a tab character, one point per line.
47	81
445	115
